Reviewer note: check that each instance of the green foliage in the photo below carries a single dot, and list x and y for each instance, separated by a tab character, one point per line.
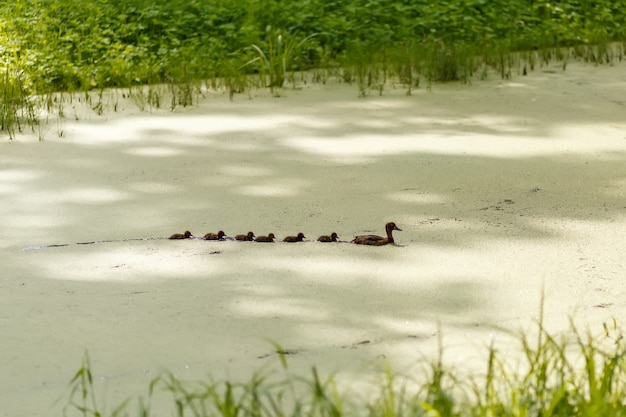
49	46
16	108
569	376
76	45
276	55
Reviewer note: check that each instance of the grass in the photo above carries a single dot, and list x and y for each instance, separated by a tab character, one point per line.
576	374
72	46
17	109
275	58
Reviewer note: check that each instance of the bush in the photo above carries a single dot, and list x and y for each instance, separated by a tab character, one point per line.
72	45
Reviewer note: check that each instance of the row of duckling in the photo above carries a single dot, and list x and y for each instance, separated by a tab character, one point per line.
373	240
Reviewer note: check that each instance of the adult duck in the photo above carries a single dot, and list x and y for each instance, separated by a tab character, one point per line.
294	238
375	240
268	238
186	235
215	236
332	238
249	237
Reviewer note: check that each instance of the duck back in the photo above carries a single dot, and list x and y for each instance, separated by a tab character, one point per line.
372	240
298	238
325	238
215	236
268	238
247	237
186	235
375	240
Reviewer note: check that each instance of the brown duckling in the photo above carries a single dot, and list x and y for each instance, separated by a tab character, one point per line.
268	238
249	237
332	238
294	238
377	240
186	235
215	236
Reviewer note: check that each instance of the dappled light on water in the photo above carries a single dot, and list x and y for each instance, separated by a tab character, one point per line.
272	189
498	196
157	151
417	197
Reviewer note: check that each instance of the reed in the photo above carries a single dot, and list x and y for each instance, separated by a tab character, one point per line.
72	46
570	374
276	56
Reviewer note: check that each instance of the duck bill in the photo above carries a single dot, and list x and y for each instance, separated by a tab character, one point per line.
398	229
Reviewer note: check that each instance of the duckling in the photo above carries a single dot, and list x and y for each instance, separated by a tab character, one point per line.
294	238
268	238
377	240
186	235
249	237
332	238
213	236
